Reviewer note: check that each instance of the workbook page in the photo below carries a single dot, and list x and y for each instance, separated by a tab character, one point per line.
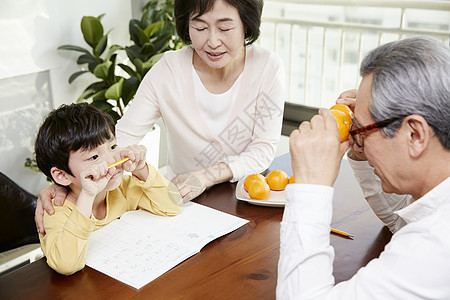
134	255
140	246
196	225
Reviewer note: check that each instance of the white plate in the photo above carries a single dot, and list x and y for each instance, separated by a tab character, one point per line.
276	198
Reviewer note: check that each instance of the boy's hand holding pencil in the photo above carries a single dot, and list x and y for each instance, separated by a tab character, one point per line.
134	161
94	178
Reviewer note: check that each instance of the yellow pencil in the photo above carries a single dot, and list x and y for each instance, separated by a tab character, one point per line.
118	162
342	233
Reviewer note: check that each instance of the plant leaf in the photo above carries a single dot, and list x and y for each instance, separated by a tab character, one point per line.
99	96
86	59
153	28
73	48
101	45
132	28
139	66
132	52
147	50
75	75
147	65
97	86
86	95
92	30
105	106
161	43
115	91
108	108
154	59
92	66
142	37
112	69
128	69
129	89
114	115
101	70
112	50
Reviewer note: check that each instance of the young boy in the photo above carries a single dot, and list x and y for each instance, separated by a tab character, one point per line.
74	147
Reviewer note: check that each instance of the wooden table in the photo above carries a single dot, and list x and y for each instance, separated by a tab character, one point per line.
240	265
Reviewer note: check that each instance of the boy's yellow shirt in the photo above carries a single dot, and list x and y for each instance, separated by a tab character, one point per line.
68	230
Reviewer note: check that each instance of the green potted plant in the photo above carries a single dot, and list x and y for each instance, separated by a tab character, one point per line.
117	82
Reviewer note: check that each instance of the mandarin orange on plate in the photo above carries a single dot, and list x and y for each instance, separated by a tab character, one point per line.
277	180
259	190
252	178
291	179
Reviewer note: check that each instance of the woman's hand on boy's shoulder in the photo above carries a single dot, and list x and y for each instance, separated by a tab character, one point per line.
44	202
137	161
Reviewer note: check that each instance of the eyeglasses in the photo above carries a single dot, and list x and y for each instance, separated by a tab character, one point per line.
358	133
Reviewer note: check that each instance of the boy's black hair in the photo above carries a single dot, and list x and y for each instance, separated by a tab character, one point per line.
67	129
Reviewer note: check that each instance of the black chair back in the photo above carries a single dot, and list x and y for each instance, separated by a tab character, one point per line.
17	208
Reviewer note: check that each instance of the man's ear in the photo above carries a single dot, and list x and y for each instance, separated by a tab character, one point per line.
419	134
61	177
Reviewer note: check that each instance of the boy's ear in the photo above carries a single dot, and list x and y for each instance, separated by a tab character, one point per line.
59	176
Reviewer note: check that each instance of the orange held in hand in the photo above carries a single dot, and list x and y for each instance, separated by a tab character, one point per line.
277	180
252	178
343	115
259	190
344	108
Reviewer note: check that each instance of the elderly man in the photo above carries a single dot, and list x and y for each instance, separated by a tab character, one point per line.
402	127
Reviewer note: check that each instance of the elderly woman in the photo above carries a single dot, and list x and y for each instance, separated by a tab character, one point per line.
221	99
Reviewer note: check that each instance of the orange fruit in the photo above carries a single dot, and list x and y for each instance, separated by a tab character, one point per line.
345	109
277	180
252	178
259	190
343	123
291	179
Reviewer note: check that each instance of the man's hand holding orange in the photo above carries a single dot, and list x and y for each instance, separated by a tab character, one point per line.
316	150
348	98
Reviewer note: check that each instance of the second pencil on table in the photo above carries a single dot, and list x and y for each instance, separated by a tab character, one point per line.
343	233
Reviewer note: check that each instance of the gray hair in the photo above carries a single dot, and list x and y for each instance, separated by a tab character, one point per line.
411	76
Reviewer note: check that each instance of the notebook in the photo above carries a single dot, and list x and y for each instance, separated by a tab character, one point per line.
140	246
